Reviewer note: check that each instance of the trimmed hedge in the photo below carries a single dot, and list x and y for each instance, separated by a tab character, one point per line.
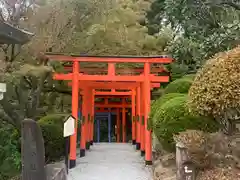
52	130
158	103
189	76
172	117
179	86
215	90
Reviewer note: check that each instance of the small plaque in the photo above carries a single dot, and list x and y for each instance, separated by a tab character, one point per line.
3	87
69	126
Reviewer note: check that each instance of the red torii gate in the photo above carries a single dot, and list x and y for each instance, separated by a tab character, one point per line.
145	78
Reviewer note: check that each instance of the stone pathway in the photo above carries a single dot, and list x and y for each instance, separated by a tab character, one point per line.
111	161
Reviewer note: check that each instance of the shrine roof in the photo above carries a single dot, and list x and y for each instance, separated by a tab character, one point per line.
164	59
108	56
12	35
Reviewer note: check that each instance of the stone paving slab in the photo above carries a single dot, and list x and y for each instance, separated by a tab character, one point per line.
111	161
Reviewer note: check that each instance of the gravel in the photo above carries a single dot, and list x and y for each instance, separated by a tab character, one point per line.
111	161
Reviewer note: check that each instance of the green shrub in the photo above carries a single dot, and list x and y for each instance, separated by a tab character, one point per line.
158	103
179	86
177	70
215	90
173	118
10	155
52	130
189	76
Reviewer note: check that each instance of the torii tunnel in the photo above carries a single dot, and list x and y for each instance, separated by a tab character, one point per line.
112	82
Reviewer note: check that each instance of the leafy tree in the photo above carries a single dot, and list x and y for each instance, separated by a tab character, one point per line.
215	91
24	88
201	28
10	155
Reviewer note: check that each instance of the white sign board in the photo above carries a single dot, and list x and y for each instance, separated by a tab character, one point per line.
3	89
69	127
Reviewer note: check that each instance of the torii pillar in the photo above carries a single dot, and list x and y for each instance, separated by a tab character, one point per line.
134	116
147	104
142	120
88	95
92	116
118	125
138	119
75	103
84	123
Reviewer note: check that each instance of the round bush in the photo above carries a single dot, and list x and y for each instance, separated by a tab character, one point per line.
189	76
158	103
179	86
215	91
173	118
52	130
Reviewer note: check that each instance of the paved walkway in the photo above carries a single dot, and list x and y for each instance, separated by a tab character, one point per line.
113	161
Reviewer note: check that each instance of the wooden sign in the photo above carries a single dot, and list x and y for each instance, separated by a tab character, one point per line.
3	89
189	170
69	126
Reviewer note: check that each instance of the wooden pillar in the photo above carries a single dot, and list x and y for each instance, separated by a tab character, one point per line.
133	116
83	124
98	130
147	103
92	117
111	69
88	117
138	106
142	127
75	94
123	124
109	126
118	125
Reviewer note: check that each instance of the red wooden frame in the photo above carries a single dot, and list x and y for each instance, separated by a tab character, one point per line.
139	85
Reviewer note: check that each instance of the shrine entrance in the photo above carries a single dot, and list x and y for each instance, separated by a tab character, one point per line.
90	83
103	124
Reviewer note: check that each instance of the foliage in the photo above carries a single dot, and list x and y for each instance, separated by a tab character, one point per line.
12	11
190	76
177	71
196	143
200	28
10	155
211	151
52	130
158	103
76	26
219	173
178	86
173	117
24	89
107	27
215	90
